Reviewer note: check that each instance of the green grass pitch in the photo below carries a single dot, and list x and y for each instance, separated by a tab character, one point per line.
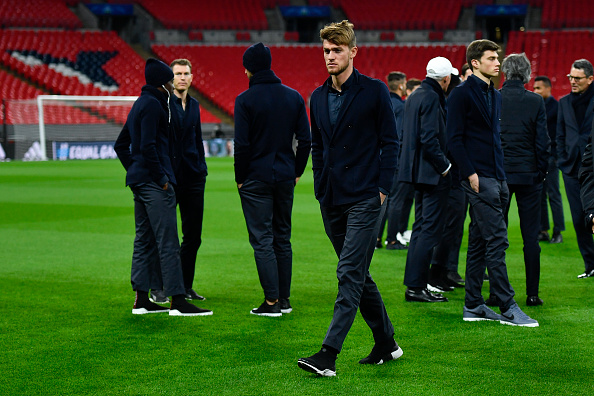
66	328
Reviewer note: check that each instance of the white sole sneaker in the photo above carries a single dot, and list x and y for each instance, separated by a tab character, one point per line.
144	311
175	312
312	369
288	310
505	322
270	315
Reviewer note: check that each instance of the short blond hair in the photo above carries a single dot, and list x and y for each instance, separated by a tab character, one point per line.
181	62
339	33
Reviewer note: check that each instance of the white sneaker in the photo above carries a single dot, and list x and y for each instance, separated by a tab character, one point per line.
406	235
400	238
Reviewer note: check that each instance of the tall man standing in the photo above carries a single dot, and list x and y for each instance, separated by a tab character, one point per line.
423	163
550	187
574	124
267	118
354	145
143	150
474	141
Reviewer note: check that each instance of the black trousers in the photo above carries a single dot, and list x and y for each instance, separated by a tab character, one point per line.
487	242
398	209
447	251
267	210
551	190
353	229
190	199
156	246
430	205
584	236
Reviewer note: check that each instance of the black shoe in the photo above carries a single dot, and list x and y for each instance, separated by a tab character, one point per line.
533	301
557	238
439	286
378	244
382	354
492	301
192	295
142	306
158	297
285	305
266	309
454	279
322	363
543	236
184	308
586	274
423	295
395	245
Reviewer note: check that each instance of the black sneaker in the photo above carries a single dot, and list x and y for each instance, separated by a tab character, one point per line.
438	286
266	309
192	295
143	306
184	308
158	297
322	363
395	245
381	354
285	305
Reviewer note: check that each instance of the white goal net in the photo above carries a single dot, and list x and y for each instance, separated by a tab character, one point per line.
63	127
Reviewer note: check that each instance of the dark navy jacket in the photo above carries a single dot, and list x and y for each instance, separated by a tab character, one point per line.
473	131
356	159
186	147
267	117
571	137
398	106
552	108
422	158
143	143
524	137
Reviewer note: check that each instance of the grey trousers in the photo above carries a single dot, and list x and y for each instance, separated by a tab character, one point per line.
353	229
156	240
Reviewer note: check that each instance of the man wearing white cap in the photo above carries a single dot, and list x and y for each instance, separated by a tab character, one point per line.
424	164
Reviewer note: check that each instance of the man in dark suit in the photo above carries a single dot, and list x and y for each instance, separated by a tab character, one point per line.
550	187
267	118
143	150
526	150
474	142
423	163
354	145
574	124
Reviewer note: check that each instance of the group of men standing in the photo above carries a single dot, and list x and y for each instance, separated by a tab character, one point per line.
474	139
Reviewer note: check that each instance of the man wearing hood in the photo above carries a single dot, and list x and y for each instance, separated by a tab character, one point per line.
143	150
268	117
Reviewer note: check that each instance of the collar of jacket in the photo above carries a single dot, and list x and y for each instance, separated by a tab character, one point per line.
352	80
483	86
264	77
434	85
513	84
156	93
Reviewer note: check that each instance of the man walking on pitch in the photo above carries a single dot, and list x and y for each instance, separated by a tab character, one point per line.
267	118
354	145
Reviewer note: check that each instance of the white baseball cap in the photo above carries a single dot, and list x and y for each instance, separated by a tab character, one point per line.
439	67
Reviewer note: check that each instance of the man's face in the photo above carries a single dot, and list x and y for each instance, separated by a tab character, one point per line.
542	89
578	80
338	57
169	86
182	77
488	65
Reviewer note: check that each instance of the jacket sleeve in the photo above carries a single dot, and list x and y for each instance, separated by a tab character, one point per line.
122	147
149	123
560	138
303	137
241	142
429	136
543	141
317	145
388	138
199	142
586	179
455	126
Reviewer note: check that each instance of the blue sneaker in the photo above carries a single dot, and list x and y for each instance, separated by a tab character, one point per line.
482	312
516	317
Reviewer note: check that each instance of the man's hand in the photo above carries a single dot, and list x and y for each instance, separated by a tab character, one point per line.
166	186
382	197
297	179
239	185
474	182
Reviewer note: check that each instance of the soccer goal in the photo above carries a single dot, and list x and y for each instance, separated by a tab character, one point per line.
64	127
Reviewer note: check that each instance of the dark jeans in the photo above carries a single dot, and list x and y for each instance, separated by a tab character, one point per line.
267	210
551	189
156	246
430	205
190	199
352	229
584	236
398	209
487	241
447	251
527	198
